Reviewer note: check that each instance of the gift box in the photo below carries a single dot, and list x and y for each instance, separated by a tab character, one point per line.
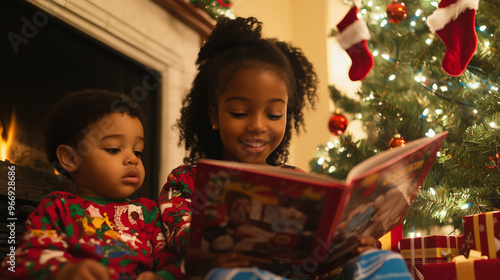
482	233
391	239
432	248
465	269
419	251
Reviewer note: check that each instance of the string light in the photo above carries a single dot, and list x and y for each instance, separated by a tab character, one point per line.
383	23
424	113
493	125
430	133
439	111
392	77
475	85
433	192
465	206
375	53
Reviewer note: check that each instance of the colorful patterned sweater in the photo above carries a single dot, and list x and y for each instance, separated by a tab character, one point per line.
124	235
176	205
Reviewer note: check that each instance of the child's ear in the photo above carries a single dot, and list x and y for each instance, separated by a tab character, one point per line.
68	157
212	113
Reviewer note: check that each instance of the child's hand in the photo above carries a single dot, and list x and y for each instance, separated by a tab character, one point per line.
87	269
148	275
229	260
366	243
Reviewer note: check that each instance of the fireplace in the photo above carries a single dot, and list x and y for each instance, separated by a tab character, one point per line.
58	59
145	49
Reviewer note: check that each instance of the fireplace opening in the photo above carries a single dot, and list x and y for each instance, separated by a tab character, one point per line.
43	58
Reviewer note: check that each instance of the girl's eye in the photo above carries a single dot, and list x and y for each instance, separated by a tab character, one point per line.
112	151
238	115
274	117
138	154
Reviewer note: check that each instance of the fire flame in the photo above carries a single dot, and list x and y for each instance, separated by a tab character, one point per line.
7	142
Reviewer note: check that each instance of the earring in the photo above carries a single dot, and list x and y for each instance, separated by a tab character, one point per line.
214	127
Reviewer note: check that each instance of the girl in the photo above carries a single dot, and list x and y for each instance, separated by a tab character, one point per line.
247	95
246	98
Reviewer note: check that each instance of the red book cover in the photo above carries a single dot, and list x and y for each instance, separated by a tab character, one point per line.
293	223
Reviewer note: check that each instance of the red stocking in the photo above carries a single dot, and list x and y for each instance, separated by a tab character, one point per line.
453	22
352	37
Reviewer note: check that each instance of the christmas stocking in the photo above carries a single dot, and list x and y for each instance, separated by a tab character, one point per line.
352	37
453	22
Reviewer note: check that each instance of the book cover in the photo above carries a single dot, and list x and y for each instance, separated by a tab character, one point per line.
299	224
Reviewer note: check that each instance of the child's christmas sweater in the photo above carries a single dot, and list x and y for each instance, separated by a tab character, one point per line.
123	235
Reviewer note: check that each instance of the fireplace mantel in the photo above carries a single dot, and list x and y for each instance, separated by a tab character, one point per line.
189	14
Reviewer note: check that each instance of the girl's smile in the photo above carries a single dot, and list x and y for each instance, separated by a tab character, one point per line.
251	115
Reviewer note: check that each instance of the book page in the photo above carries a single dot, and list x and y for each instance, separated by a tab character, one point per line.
278	171
383	188
389	157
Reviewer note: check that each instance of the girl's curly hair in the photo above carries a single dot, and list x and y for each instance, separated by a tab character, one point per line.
236	44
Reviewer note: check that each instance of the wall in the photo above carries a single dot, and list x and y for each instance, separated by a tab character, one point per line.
307	25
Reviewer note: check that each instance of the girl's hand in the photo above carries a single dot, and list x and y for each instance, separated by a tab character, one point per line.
366	243
148	275
229	260
87	269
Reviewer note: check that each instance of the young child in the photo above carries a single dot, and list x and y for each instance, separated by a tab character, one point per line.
97	136
246	98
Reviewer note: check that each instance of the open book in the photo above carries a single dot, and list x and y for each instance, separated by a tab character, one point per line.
294	223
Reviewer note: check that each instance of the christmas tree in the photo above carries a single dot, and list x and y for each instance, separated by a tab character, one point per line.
215	8
418	87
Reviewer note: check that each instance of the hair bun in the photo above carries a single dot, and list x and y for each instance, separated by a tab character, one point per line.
230	33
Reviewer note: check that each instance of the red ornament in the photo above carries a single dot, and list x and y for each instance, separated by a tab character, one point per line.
337	123
396	12
397	141
491	164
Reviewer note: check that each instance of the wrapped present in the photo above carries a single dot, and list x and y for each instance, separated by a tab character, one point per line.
482	233
391	239
429	249
432	248
473	268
